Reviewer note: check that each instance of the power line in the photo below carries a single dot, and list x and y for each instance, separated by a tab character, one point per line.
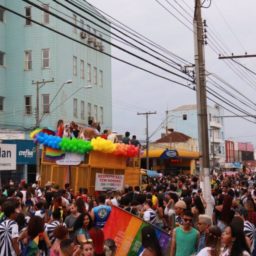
123	39
64	35
106	41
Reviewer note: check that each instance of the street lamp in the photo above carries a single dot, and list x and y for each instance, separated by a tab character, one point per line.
39	85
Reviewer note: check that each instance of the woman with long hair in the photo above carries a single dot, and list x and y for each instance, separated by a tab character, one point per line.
150	242
212	242
82	226
234	242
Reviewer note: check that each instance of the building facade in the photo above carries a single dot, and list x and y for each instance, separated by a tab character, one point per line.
72	69
184	119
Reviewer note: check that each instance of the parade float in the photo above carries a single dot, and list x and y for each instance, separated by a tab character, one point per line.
98	165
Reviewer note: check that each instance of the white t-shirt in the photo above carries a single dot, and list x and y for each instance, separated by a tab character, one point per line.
204	252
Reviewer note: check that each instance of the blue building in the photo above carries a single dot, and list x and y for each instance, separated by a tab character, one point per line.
184	119
63	69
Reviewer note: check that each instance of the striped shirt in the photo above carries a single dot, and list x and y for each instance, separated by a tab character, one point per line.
49	228
8	231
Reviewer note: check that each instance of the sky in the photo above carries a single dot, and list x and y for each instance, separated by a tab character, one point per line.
230	29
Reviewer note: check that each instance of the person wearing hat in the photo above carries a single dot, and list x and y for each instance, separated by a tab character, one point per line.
179	209
204	223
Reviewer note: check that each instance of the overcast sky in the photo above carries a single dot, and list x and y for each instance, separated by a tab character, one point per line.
231	28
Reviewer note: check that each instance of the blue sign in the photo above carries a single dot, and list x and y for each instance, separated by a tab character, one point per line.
169	154
26	151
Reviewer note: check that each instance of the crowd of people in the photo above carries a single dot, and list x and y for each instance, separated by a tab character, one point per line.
93	130
53	221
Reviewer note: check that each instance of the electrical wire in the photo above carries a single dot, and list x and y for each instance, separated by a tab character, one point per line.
61	33
134	33
123	39
106	41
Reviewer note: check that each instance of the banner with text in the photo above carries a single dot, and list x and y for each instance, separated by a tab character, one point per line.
125	229
7	157
105	182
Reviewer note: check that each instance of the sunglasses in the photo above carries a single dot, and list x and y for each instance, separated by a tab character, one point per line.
187	220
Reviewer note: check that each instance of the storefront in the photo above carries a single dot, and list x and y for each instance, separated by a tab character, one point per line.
23	161
171	161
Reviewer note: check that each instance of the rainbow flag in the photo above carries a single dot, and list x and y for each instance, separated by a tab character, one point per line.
54	154
125	229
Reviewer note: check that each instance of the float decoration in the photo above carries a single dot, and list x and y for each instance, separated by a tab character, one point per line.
81	146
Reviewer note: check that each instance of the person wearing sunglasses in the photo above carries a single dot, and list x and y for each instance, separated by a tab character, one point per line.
185	237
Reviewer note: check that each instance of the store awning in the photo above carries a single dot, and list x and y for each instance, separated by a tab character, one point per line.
156	153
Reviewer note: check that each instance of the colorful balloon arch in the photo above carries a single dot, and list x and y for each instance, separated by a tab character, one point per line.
81	146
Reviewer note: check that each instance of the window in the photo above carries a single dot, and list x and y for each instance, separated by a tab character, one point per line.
75	23
46	103
28	15
74	65
28	60
82	68
46	15
82	23
96	112
89	110
28	105
2	55
46	58
101	79
95	75
82	110
75	107
1	15
184	117
101	115
94	31
89	72
1	103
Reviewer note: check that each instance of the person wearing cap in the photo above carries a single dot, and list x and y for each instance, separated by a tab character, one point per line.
204	223
179	209
185	237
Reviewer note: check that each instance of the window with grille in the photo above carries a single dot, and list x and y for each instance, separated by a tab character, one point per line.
101	78
28	15
28	60
101	115
89	72
46	58
82	68
74	65
95	75
75	107
1	103
2	58
82	110
46	103
46	15
1	15
28	105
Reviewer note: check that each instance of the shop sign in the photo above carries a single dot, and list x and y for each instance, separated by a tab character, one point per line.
26	151
7	157
105	182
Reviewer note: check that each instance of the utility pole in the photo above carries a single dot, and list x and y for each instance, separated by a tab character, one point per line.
39	84
147	137
202	105
166	122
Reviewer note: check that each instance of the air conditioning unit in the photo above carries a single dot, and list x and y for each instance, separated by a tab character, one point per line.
83	34
91	39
